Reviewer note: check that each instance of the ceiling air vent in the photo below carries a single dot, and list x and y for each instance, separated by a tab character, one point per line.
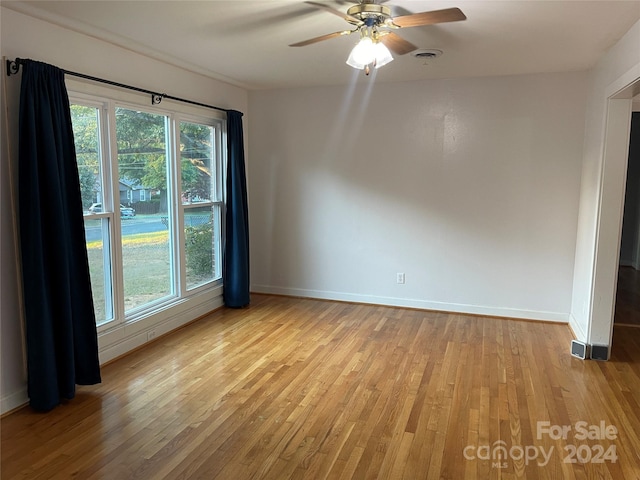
427	54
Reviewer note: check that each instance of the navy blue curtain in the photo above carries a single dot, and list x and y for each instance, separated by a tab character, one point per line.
235	270
62	345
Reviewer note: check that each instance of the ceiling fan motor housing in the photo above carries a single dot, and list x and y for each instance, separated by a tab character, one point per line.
370	13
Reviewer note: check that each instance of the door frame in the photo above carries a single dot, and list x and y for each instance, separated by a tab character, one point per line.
613	177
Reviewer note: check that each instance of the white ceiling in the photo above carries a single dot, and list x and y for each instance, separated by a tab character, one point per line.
245	42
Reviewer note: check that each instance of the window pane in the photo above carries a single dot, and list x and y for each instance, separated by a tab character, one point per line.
146	237
99	267
202	246
87	139
196	155
86	132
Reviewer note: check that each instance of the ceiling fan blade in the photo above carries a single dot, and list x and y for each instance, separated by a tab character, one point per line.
328	36
352	2
342	15
429	18
398	44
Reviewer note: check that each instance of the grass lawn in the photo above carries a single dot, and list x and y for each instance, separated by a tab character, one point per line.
146	259
146	269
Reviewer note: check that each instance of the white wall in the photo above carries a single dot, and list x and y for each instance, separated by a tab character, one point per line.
13	375
590	319
469	186
26	37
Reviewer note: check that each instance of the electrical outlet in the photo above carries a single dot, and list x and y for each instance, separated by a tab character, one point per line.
151	334
400	278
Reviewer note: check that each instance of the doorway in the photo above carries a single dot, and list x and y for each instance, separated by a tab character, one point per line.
627	307
620	95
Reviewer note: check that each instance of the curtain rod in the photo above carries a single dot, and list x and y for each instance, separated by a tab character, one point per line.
13	67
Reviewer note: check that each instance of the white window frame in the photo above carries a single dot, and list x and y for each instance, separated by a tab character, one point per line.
217	196
149	307
107	99
106	200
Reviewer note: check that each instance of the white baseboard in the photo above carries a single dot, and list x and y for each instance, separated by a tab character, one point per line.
577	329
413	303
14	400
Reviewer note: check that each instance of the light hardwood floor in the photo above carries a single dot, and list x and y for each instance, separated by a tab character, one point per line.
294	388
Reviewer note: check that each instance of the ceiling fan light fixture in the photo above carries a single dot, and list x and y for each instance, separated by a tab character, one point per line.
368	52
383	55
352	63
362	54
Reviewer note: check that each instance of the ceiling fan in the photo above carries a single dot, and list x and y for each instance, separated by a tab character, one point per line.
375	25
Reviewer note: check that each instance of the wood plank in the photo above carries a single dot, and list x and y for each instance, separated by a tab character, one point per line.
296	388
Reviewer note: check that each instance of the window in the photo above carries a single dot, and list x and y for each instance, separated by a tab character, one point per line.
201	200
145	257
143	154
87	126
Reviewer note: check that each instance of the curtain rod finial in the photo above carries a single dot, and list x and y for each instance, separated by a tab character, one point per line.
156	98
13	66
